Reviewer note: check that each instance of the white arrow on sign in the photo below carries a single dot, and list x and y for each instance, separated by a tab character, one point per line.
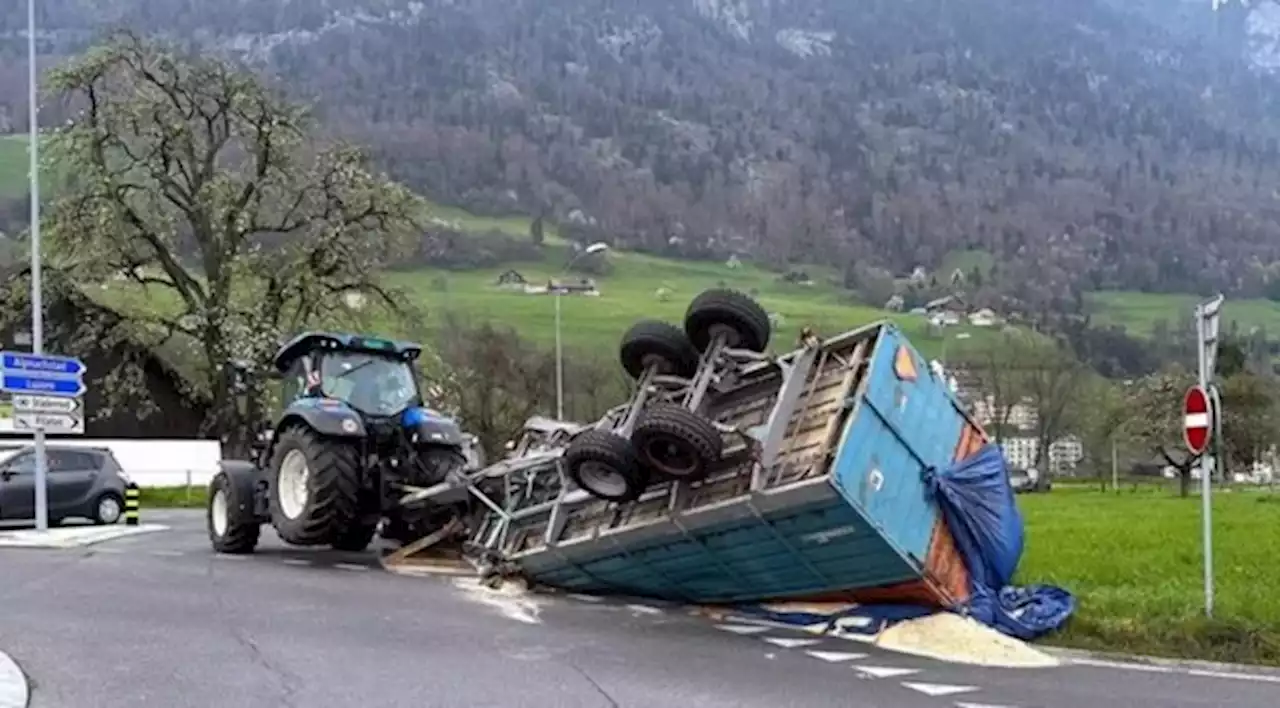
45	404
50	422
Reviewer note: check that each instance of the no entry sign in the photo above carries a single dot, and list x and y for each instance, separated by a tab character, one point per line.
1198	419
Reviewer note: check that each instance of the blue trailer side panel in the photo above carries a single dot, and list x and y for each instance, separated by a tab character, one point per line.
795	553
902	427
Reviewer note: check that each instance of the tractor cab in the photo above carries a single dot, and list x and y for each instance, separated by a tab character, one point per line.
374	377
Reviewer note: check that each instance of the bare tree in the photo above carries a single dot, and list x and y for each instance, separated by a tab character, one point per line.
195	189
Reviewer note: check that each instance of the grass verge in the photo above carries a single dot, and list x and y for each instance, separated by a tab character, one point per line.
1133	561
171	498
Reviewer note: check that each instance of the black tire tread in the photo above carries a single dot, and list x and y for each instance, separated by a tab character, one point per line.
612	449
661	418
334	502
355	537
242	529
730	307
655	337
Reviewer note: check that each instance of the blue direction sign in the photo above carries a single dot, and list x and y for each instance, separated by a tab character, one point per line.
41	374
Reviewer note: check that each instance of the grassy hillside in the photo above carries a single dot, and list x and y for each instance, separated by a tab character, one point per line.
630	293
13	165
1139	312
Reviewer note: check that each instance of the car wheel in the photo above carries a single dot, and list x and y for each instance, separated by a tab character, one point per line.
108	510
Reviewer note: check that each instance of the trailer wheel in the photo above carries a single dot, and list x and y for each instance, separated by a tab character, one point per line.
661	345
676	443
229	517
730	314
315	487
605	465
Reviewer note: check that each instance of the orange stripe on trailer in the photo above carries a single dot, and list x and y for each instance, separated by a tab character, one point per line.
904	365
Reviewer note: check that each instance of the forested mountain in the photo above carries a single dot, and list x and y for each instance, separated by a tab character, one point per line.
1086	144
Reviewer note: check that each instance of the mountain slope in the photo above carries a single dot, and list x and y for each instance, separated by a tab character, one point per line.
1087	145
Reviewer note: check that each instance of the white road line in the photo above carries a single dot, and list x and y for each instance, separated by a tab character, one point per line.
963	704
834	656
1234	676
1123	666
742	629
788	643
884	671
644	609
13	684
167	554
351	566
229	556
584	598
295	561
935	690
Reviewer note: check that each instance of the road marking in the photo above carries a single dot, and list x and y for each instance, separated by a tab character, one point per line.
295	561
229	556
13	684
788	643
167	554
1123	665
644	609
834	656
884	671
962	704
1234	676
585	598
939	689
742	629
350	566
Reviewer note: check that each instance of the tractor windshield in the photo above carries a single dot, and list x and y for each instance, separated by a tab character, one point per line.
370	383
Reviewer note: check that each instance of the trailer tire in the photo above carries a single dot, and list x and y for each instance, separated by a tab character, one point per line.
605	465
323	497
676	443
653	343
734	315
229	517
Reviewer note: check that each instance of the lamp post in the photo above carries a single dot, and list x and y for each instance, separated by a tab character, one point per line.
597	247
37	303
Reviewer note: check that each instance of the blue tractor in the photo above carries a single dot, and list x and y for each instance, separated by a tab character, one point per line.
353	436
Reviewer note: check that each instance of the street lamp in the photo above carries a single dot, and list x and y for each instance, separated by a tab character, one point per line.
37	303
597	247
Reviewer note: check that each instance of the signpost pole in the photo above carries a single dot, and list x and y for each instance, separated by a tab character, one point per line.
37	301
1206	471
1207	339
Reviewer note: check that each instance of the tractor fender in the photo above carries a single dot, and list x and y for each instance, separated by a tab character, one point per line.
247	480
428	427
329	418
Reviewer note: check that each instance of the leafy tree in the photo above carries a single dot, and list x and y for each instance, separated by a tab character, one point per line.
1155	405
201	191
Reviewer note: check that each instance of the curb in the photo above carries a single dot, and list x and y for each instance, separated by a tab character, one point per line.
13	684
1140	661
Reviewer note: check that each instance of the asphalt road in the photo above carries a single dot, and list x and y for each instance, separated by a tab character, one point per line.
160	621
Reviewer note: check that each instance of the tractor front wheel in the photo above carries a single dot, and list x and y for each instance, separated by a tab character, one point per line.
315	487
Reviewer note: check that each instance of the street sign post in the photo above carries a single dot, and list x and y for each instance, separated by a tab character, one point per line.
1207	316
46	392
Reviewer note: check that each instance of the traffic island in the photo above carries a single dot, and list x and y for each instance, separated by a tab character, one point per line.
14	692
72	536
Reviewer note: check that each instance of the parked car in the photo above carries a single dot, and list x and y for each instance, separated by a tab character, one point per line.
1025	481
83	483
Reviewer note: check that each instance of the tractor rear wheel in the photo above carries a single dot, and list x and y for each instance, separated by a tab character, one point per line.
315	487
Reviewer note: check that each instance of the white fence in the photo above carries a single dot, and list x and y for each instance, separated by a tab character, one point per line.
151	463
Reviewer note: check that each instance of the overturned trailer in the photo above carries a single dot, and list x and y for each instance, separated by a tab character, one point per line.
821	491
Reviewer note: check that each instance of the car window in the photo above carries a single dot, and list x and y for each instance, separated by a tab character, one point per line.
24	463
71	460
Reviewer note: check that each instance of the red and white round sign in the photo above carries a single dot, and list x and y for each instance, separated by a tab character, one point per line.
1198	423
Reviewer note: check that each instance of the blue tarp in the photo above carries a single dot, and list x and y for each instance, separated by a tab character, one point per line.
978	505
